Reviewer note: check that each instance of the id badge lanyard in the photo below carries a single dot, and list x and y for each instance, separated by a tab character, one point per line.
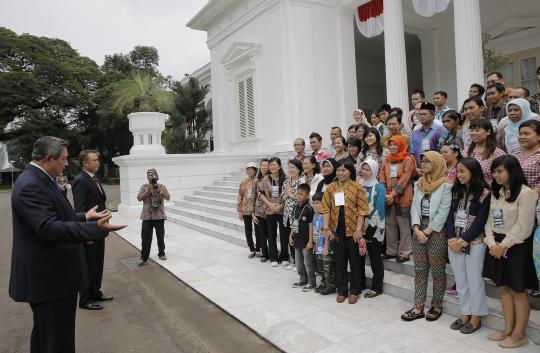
296	221
462	215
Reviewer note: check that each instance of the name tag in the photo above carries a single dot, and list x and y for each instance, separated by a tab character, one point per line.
497	215
320	246
494	122
275	190
294	226
424	210
393	170
425	144
461	218
513	145
249	193
339	198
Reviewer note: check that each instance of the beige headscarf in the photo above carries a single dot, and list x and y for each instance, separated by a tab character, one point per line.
432	180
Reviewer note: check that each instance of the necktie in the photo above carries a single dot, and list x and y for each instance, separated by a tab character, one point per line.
96	183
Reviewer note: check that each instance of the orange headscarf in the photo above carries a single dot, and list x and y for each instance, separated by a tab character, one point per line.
431	181
402	149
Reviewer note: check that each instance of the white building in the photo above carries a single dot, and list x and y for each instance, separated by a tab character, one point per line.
281	69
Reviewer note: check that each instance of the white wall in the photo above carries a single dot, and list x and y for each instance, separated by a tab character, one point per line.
304	78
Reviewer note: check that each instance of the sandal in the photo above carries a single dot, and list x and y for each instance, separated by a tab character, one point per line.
413	314
468	328
433	314
458	324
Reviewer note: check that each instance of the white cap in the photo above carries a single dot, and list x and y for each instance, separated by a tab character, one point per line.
251	165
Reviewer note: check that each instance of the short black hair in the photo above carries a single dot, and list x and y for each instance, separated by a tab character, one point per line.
348	164
479	102
516	176
318	196
533	124
384	108
452	114
301	139
352	127
304	187
441	93
336	127
498	86
396	110
480	88
526	90
315	135
420	92
499	75
355	141
394	115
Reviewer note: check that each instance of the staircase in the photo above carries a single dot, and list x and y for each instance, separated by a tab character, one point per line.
212	211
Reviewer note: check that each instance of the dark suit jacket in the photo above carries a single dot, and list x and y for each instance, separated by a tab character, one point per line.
86	195
47	235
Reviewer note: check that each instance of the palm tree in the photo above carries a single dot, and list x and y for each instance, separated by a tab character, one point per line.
140	93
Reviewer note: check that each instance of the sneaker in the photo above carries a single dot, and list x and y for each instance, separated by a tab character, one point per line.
450	290
163	257
274	264
293	269
285	263
299	284
251	255
308	288
290	267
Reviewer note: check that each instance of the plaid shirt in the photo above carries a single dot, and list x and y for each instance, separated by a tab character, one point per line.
533	101
495	113
531	167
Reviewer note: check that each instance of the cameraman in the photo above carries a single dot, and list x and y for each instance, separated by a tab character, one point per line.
152	195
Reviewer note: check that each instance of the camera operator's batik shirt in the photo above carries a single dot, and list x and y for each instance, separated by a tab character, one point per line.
153	205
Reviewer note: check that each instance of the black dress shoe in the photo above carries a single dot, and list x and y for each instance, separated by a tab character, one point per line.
388	257
91	306
104	298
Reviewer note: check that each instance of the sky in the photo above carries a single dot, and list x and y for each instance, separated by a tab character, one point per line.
96	28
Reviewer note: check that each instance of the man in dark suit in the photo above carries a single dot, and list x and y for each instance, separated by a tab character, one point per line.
87	193
46	259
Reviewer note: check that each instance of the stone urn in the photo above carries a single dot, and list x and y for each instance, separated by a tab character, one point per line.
146	128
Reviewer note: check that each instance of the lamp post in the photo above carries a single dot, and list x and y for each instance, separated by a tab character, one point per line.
12	166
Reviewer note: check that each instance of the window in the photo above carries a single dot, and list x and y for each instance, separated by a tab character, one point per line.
508	73
528	74
246	107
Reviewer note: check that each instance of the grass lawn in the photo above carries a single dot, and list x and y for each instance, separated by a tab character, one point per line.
5	188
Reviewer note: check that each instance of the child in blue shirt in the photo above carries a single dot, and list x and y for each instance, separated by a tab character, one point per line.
323	249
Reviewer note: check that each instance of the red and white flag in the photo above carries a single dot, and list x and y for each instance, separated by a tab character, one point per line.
369	18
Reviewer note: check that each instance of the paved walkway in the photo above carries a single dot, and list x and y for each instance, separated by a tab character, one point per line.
262	297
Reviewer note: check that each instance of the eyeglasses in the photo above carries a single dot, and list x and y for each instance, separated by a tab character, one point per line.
425	161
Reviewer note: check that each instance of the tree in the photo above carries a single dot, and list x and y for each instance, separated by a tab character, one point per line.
46	88
190	124
493	61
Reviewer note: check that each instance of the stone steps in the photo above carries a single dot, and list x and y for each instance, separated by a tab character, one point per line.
402	286
212	211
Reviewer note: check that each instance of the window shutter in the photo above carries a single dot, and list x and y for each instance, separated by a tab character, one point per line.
250	103
242	108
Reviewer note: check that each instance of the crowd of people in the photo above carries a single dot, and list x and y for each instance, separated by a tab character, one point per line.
438	184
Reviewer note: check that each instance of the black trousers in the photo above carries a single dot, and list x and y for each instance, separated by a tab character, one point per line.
273	222
54	326
374	248
147	231
95	256
346	252
291	247
248	229
262	237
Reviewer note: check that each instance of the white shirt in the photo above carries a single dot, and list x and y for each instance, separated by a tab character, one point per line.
38	166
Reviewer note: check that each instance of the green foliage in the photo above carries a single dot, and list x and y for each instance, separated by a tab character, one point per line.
139	93
493	61
190	124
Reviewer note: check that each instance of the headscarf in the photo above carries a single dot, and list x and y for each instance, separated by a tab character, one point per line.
511	131
431	181
402	152
328	179
374	166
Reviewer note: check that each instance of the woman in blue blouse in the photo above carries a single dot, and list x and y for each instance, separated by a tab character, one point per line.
374	223
468	215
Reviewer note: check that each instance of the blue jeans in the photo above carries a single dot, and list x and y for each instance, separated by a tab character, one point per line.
305	265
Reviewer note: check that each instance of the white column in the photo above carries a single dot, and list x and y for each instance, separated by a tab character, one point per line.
394	53
468	42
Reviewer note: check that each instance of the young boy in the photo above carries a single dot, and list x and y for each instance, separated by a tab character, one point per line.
323	249
301	238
